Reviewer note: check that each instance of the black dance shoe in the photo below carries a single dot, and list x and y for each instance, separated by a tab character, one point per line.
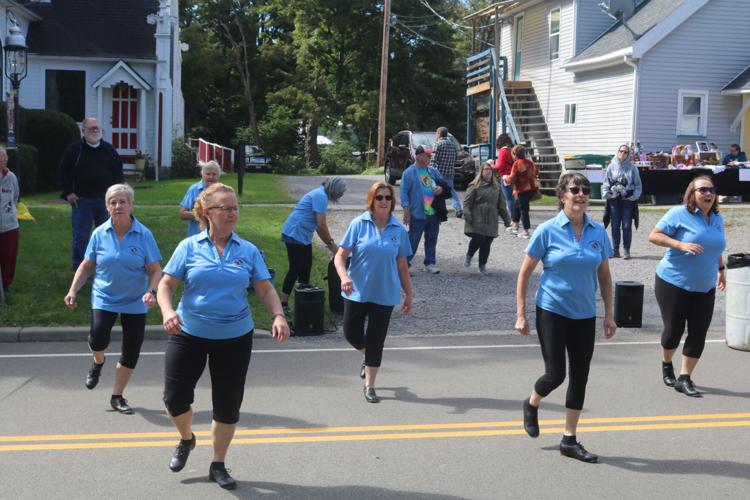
530	419
685	386
220	475
578	452
181	454
92	377
362	371
118	403
667	373
370	395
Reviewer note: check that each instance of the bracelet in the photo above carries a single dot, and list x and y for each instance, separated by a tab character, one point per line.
152	292
721	268
330	242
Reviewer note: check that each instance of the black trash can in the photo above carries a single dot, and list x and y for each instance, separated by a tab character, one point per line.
628	304
309	305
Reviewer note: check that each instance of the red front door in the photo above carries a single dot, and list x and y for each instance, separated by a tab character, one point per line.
125	119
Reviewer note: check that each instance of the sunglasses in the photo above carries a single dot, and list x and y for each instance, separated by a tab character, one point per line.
380	197
706	190
576	190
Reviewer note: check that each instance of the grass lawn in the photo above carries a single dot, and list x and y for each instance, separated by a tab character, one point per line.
257	188
43	271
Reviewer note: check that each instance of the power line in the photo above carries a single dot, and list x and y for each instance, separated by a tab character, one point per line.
421	36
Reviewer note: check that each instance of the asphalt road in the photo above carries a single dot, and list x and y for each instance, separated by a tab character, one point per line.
448	426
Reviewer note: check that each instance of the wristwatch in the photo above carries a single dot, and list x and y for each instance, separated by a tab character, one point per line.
330	242
152	292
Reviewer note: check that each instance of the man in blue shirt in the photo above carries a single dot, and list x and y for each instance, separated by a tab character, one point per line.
735	155
419	186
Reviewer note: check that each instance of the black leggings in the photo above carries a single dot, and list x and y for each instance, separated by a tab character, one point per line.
300	264
133	329
556	335
228	361
521	208
679	306
482	243
378	317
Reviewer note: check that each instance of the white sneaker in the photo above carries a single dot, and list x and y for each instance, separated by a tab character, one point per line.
525	236
432	269
513	230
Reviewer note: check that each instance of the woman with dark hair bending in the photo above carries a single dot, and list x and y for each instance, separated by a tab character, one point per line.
212	323
688	276
574	251
379	246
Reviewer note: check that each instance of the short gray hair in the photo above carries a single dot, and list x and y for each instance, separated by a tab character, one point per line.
210	165
116	189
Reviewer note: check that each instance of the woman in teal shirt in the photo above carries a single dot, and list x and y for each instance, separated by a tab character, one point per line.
688	276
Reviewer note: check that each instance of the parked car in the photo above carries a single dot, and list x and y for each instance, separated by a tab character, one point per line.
400	155
256	159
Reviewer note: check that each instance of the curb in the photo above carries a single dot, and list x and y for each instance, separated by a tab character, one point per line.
77	334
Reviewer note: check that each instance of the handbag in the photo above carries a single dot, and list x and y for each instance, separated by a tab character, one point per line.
536	196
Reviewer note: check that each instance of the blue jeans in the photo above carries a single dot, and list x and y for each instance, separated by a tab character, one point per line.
621	213
86	211
430	226
454	197
508	193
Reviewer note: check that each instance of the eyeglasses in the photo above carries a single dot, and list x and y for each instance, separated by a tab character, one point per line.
380	197
576	190
624	151
93	129
706	190
226	210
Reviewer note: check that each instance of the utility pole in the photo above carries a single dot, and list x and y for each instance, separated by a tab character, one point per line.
383	83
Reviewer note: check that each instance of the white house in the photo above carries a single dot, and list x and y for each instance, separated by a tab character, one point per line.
676	72
117	60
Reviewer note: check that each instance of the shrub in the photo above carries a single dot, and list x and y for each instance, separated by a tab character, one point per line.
279	132
338	159
29	167
50	132
289	164
183	161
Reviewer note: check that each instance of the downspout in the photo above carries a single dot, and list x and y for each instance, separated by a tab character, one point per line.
633	63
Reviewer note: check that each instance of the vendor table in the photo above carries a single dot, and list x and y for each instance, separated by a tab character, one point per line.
674	182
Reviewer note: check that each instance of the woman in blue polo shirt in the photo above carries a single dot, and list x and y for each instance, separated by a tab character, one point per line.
688	276
379	246
210	173
308	216
212	323
121	254
574	251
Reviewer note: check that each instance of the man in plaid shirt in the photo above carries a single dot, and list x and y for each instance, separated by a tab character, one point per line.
445	160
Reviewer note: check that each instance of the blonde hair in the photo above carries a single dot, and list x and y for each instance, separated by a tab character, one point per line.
205	199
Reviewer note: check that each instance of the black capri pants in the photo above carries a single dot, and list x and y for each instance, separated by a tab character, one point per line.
228	361
133	329
558	334
521	209
377	317
300	264
679	306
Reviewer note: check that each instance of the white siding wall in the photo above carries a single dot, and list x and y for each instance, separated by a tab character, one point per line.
591	22
604	103
33	90
704	53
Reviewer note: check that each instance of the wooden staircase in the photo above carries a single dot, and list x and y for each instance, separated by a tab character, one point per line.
532	127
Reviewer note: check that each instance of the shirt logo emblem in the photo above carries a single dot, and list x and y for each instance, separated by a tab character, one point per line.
238	262
595	245
394	238
134	250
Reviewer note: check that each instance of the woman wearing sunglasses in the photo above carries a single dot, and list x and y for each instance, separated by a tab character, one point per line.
574	251
622	188
687	277
379	246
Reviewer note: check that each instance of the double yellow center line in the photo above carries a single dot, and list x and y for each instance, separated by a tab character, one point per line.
372	432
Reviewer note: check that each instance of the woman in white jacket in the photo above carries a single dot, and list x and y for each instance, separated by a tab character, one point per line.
622	188
8	222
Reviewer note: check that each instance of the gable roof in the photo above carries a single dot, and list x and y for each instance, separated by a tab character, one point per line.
652	21
739	85
93	28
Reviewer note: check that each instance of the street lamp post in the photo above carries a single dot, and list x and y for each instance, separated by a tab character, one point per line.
16	58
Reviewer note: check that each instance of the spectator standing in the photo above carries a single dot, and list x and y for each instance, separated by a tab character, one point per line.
88	167
687	277
481	201
9	229
419	187
523	177
503	166
379	246
210	173
444	161
308	216
622	188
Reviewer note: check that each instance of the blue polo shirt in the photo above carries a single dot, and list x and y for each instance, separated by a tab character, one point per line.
374	265
569	278
301	223
214	304
188	202
121	278
694	273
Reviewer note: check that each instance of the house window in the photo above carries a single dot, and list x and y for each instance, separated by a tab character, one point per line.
692	113
554	34
66	91
570	114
